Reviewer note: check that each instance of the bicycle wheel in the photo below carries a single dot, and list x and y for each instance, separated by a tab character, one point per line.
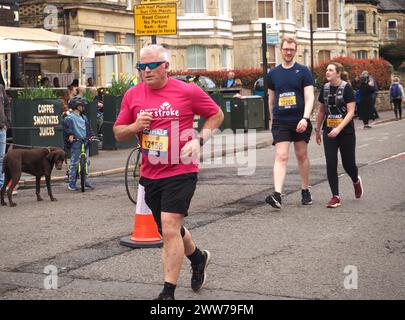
132	173
83	167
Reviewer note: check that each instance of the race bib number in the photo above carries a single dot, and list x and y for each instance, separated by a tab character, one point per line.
287	100
155	142
333	121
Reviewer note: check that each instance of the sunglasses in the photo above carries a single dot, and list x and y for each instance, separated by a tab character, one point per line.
150	65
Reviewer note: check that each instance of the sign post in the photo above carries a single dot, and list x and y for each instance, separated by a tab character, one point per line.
272	33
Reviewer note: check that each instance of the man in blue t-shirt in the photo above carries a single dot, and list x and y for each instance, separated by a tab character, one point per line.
291	99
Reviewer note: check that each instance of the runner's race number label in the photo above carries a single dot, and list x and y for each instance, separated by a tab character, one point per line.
287	100
333	121
155	142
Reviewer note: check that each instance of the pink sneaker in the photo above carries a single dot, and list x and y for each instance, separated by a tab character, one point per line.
358	188
334	202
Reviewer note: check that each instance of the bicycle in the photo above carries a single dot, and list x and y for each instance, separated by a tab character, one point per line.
82	168
132	173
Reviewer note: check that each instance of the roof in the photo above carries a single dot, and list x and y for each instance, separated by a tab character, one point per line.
30	34
40	40
392	5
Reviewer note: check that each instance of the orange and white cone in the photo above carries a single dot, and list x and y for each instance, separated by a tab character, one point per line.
145	233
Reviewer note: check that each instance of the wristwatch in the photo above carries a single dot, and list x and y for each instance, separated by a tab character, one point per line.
306	119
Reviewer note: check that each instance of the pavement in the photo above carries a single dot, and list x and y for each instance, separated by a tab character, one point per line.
108	162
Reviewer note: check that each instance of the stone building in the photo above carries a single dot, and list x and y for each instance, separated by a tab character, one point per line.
392	21
105	21
222	34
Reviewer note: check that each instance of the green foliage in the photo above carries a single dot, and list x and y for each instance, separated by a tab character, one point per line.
89	95
37	93
121	85
394	53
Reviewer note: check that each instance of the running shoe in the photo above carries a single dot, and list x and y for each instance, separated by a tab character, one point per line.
274	200
200	272
306	197
72	187
334	202
358	188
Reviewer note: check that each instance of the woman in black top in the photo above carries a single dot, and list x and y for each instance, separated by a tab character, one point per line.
335	115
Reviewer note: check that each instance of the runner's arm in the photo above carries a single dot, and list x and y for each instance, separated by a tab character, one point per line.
210	125
318	124
309	99
271	102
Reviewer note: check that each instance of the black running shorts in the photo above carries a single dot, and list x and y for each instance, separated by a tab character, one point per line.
287	132
171	194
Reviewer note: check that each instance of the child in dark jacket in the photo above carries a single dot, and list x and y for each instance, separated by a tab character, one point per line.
76	126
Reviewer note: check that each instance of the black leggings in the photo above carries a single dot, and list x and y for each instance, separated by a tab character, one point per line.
347	145
397	108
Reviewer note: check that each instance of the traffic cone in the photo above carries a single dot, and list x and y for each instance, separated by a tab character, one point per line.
145	233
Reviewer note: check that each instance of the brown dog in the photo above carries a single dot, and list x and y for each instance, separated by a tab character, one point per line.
38	162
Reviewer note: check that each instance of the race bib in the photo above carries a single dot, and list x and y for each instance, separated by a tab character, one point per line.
155	142
287	100
332	121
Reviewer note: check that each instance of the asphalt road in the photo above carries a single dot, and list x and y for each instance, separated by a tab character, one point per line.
354	252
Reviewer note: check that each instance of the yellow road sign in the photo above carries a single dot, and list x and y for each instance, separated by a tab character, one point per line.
155	19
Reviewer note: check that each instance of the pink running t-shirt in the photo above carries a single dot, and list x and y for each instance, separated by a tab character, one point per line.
172	108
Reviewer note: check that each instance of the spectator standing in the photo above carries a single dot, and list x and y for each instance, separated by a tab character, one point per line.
230	81
366	88
56	83
396	96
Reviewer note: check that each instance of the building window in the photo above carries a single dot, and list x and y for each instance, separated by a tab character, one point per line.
374	23
272	56
194	6
225	53
392	30
375	54
196	58
111	64
89	64
306	57
341	14
360	26
265	8
322	13
323	55
361	54
130	4
223	8
129	65
288	12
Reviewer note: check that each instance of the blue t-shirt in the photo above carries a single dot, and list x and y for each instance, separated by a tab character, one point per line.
289	84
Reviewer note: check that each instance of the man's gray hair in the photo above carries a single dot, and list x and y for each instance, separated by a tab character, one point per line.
153	48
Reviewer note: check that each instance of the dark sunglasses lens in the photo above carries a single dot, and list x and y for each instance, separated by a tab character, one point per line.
151	65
